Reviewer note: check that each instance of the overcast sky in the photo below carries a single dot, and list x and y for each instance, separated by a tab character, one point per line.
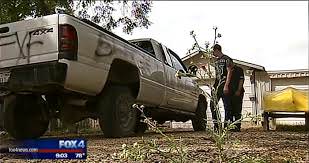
270	34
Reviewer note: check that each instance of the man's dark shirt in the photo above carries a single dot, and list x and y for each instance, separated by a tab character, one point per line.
221	65
237	75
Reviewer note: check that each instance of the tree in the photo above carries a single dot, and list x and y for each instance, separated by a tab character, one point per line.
131	14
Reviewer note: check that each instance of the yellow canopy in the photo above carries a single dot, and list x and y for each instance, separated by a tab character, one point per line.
286	100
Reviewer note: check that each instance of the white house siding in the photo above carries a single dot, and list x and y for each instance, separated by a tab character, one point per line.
263	84
298	83
247	104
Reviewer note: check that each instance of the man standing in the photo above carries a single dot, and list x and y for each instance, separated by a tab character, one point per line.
237	94
223	67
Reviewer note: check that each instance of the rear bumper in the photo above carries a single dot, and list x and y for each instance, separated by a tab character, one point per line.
41	77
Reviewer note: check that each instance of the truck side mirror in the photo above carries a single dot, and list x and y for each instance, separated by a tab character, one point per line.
192	69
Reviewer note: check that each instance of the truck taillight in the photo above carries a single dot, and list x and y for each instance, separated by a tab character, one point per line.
68	42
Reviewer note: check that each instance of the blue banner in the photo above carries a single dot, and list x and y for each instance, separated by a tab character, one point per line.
48	149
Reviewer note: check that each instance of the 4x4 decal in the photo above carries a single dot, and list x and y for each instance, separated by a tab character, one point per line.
42	31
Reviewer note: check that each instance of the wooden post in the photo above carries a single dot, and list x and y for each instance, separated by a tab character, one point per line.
266	121
307	120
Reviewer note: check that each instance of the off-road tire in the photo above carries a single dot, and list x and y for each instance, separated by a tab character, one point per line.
117	117
199	121
24	116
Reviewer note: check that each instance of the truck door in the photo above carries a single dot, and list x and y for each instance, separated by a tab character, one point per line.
152	84
176	94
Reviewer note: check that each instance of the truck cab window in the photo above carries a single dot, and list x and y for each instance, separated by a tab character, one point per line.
145	45
166	56
176	63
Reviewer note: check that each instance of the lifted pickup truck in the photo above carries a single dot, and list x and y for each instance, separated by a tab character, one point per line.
58	66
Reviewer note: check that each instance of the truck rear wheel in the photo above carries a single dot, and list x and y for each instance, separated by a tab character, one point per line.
199	120
118	118
24	116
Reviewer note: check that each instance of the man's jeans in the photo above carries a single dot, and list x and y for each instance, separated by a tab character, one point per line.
236	103
227	108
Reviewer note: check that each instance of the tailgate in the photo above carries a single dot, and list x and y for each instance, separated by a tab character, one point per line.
29	41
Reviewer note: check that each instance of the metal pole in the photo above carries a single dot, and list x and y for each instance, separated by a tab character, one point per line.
215	28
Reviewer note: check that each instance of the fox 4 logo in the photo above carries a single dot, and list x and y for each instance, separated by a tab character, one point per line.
69	144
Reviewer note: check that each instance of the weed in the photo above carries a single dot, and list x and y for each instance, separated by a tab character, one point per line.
174	150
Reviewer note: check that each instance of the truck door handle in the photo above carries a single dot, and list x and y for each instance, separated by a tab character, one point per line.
4	29
140	64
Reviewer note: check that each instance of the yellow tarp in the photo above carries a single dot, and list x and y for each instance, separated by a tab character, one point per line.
286	100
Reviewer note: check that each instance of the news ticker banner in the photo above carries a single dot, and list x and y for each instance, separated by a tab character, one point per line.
46	149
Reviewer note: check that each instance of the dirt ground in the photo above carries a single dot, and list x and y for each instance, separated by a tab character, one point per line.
252	144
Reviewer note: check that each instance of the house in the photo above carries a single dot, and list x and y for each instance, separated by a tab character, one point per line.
256	83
